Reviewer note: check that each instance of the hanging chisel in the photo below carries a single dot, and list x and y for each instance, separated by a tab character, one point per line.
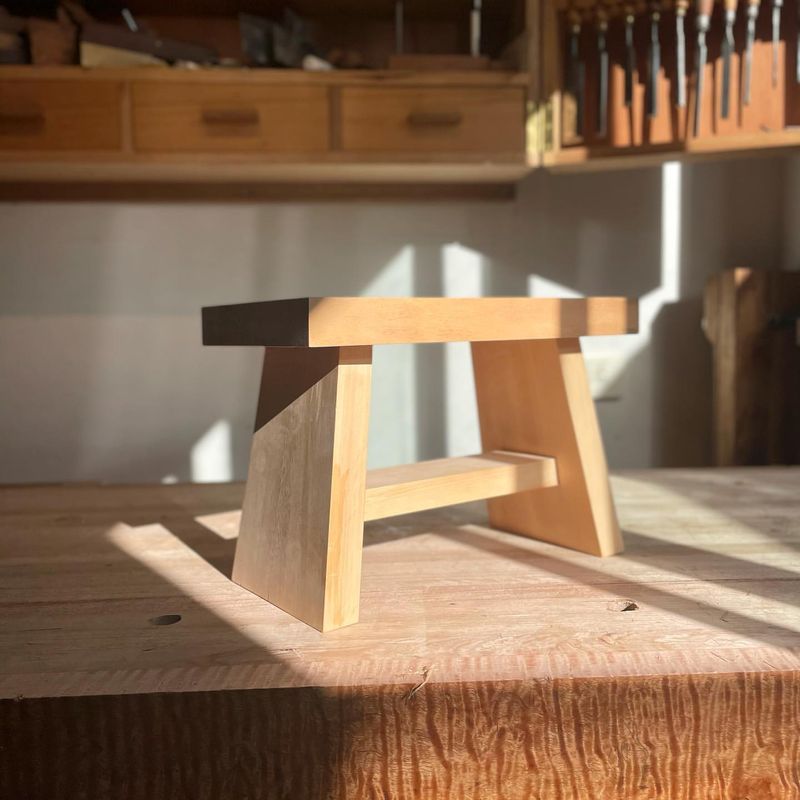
399	27
576	74
727	53
475	29
777	6
702	23
752	15
654	59
629	13
681	7
602	69
797	52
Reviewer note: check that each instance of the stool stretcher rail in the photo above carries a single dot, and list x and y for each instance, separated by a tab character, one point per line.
447	481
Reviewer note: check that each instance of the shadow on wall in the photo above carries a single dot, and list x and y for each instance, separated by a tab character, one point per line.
100	324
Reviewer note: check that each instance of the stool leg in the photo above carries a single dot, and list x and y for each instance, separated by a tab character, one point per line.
533	397
303	516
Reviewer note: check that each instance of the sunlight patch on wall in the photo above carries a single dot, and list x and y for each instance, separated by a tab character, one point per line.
463	275
211	457
607	357
393	417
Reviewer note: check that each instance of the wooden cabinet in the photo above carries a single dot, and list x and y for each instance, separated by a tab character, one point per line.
434	120
195	117
259	128
37	115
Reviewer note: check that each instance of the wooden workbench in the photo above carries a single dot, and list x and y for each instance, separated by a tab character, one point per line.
485	666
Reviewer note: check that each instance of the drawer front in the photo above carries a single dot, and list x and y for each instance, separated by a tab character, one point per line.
192	118
60	115
414	120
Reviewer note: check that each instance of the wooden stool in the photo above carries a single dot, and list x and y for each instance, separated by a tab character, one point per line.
308	492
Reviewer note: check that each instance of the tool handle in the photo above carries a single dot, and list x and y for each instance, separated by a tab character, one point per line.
755	3
730	5
681	7
704	7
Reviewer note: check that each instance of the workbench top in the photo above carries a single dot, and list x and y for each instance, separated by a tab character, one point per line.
685	650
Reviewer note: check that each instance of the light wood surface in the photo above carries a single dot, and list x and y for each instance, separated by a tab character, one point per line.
447	481
193	117
344	321
485	666
302	520
470	119
533	397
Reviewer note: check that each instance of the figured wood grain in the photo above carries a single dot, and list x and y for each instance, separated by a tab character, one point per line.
533	396
515	675
447	481
301	533
345	321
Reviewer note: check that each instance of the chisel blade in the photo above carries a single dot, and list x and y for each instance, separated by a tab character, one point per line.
702	56
727	54
752	13
630	59
654	66
602	93
777	5
576	75
797	57
680	57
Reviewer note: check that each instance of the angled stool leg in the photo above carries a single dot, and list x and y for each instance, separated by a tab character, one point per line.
533	397
303	516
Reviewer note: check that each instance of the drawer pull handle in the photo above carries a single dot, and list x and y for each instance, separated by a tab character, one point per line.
434	119
21	122
230	116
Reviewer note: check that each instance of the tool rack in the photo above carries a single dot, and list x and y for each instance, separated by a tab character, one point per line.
770	120
444	132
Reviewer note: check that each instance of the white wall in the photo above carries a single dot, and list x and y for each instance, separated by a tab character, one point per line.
103	376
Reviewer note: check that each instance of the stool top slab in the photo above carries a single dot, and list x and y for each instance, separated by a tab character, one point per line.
356	321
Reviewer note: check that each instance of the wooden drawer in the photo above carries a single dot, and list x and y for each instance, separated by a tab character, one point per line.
433	120
60	115
173	117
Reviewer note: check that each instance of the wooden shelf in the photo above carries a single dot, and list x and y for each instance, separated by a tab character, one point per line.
252	128
571	159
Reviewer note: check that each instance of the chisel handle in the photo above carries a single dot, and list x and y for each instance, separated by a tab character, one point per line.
681	7
754	4
704	8
730	5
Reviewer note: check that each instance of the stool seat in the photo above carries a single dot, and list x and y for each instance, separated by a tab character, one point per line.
542	470
353	321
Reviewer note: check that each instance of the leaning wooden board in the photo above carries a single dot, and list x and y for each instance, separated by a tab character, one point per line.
485	665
